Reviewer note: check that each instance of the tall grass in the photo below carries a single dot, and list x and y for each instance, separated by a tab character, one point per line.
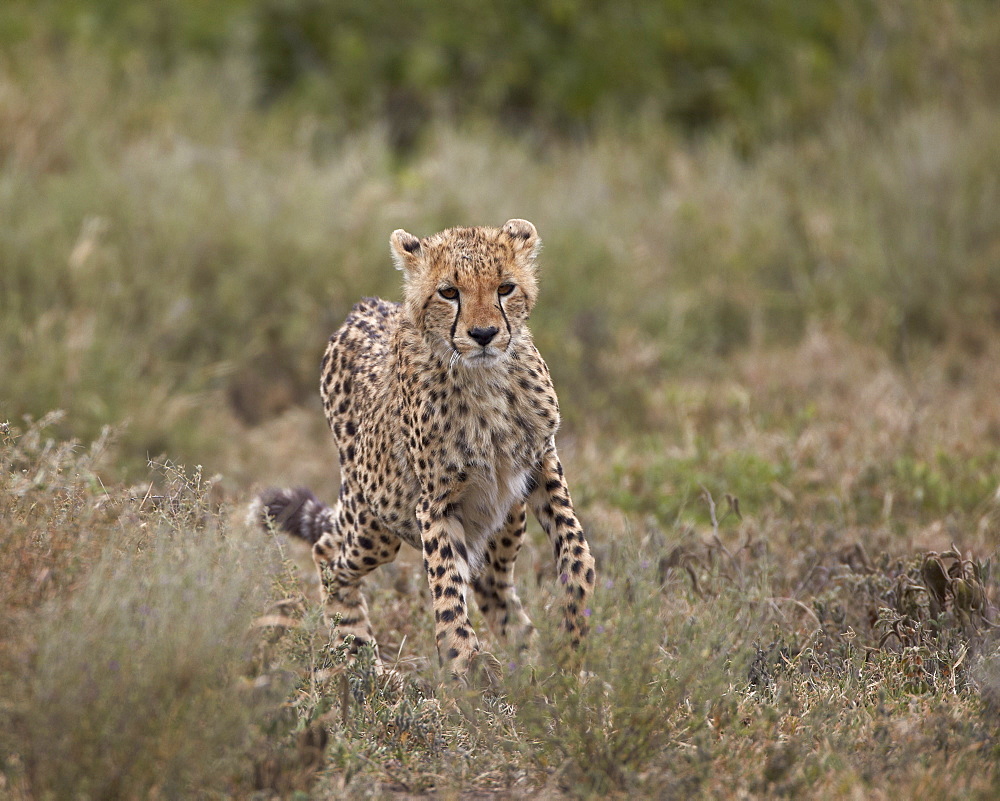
756	654
656	665
125	668
132	687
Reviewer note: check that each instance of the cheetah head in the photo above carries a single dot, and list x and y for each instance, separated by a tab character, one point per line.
469	291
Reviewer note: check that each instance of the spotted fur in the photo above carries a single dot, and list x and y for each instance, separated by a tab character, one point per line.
445	418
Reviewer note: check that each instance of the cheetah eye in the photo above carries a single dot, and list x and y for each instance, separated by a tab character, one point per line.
505	289
448	293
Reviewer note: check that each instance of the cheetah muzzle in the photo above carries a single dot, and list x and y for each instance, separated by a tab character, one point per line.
445	418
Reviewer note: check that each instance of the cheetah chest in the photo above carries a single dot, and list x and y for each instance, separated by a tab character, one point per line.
491	491
498	446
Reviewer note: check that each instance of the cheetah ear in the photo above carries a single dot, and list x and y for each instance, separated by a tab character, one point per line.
524	236
405	249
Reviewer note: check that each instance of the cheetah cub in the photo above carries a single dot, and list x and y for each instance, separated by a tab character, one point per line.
445	418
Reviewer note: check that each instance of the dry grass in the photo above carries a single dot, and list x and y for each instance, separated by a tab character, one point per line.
126	626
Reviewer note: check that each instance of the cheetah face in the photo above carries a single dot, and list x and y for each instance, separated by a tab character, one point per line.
477	317
469	291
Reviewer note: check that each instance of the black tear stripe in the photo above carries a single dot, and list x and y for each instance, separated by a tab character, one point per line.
505	320
454	323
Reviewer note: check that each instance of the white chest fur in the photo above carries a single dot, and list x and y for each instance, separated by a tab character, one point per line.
490	493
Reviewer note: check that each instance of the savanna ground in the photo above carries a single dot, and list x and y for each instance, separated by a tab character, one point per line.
775	339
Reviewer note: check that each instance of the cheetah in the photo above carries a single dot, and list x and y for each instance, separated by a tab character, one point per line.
445	416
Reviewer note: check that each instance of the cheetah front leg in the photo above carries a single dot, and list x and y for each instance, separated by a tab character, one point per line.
496	595
447	566
551	504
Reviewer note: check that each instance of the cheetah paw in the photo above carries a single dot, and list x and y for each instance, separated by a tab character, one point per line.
484	672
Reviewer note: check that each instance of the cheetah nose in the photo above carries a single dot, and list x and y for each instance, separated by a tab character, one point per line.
483	335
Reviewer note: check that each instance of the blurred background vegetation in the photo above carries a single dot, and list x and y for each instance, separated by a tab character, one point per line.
193	194
557	67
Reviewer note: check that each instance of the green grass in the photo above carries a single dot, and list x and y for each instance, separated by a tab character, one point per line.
777	368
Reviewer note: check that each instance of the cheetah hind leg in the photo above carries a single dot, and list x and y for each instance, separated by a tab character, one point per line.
346	547
494	588
343	558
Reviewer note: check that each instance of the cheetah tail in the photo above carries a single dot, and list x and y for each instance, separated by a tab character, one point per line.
295	511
